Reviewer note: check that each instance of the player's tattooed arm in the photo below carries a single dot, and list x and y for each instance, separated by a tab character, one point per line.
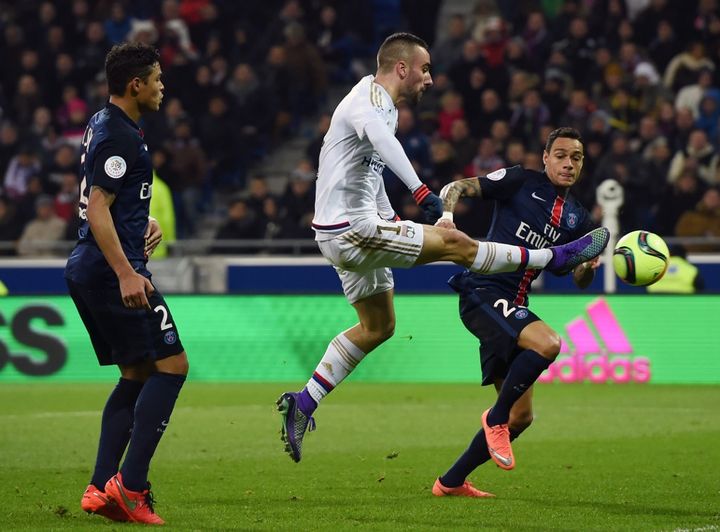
452	192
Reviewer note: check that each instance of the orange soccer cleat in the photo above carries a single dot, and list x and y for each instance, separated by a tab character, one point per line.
498	442
95	501
466	490
136	505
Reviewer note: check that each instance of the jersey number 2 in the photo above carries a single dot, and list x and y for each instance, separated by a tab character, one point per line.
165	324
506	308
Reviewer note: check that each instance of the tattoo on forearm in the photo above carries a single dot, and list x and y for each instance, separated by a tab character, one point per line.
452	192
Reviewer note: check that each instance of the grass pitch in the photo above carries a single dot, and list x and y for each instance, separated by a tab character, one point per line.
627	457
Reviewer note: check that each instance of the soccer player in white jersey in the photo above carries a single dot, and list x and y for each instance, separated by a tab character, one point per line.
360	234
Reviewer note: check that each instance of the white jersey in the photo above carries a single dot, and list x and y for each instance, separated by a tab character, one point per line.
350	184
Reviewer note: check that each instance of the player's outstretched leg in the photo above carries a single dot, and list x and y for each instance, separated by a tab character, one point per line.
96	501
568	256
498	442
465	490
294	423
136	505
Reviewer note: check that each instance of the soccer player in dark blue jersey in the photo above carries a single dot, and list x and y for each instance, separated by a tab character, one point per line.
127	319
535	210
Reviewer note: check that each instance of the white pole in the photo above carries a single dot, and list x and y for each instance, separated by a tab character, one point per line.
610	196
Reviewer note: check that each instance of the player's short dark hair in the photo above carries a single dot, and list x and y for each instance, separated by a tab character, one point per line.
396	47
127	61
564	133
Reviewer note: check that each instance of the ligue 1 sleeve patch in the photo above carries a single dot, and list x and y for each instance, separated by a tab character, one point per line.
497	175
115	167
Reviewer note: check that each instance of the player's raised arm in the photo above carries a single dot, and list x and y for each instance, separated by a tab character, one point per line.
391	152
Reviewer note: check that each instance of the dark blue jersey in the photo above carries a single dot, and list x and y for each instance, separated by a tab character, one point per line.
530	213
115	158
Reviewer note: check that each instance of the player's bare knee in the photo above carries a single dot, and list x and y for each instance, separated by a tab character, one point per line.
176	364
386	331
459	244
519	421
549	346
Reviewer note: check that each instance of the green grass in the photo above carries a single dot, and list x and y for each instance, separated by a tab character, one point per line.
597	458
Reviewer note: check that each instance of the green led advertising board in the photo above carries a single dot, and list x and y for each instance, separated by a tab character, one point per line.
606	339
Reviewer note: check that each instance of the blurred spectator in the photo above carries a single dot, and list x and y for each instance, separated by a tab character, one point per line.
258	192
73	117
464	146
579	48
651	17
554	94
90	57
689	96
20	169
10	228
486	160
685	66
657	156
66	199
189	164
225	146
306	70
312	152
254	110
338	46
445	164
449	50
162	209
65	160
451	109
516	57
709	118
514	153
242	223
492	109
277	76
626	167
529	116
9	144
647	88
704	220
699	153
664	45
27	98
681	277
42	232
117	25
298	201
683	127
677	198
537	37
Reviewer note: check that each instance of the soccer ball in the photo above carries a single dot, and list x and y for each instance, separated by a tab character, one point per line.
640	258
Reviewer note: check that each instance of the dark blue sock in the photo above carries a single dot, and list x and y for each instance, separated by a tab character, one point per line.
473	457
117	422
152	415
524	371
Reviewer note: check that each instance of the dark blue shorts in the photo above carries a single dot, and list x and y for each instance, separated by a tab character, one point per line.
121	335
497	323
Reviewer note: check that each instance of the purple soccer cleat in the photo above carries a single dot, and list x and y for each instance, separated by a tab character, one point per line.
567	256
294	424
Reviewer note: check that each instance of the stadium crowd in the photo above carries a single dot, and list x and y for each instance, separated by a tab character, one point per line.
639	78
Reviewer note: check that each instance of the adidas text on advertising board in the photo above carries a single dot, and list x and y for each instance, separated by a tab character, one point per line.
603	356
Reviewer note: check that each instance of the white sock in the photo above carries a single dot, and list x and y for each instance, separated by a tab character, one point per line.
493	257
339	360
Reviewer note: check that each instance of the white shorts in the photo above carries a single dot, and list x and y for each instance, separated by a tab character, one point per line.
363	255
